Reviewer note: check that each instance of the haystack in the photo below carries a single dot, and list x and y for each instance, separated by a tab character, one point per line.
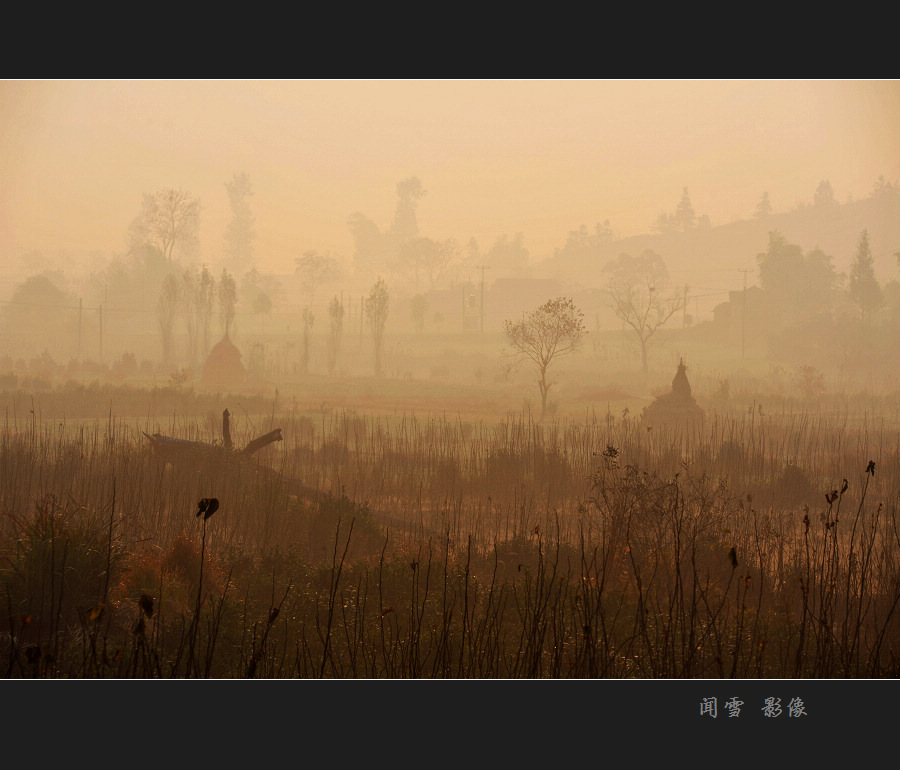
677	407
223	369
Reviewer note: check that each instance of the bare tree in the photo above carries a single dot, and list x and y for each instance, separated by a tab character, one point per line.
640	297
336	329
166	312
169	220
377	305
554	330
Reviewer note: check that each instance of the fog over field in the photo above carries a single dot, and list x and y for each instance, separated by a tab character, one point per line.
483	198
496	157
595	345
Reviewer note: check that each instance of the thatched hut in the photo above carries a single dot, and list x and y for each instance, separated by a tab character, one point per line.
223	369
677	407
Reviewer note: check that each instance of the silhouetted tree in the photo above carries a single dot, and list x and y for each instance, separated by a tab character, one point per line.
36	297
406	226
370	246
40	313
134	279
335	332
824	196
308	320
315	270
262	304
190	307
239	235
764	207
884	189
418	306
377	305
781	265
424	257
819	279
795	285
640	294
664	224
584	246
811	381
206	300
227	294
258	291
166	313
554	330
864	288
169	220
508	254
684	213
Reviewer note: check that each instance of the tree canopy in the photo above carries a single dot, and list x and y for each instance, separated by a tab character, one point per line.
864	288
797	285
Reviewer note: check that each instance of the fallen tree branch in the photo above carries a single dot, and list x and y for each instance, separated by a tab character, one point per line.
259	443
174	450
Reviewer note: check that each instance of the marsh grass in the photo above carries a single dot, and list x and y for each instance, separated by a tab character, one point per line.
437	547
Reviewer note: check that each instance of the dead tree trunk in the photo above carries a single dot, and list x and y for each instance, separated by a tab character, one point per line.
226	430
180	450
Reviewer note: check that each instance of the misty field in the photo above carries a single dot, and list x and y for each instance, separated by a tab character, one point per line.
377	546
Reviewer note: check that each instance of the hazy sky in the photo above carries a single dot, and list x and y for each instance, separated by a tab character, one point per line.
537	157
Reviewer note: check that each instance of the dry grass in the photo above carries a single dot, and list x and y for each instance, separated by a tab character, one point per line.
436	547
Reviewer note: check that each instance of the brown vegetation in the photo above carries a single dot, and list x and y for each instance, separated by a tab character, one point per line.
403	547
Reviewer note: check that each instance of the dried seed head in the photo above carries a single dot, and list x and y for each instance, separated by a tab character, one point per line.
732	555
146	602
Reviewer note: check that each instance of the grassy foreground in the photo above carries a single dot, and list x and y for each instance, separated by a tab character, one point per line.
753	546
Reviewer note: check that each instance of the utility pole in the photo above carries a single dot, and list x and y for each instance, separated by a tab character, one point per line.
684	309
482	268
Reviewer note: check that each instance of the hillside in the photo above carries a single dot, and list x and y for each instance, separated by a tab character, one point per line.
711	258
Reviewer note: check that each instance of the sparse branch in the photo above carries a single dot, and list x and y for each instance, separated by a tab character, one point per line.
553	330
168	219
638	297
